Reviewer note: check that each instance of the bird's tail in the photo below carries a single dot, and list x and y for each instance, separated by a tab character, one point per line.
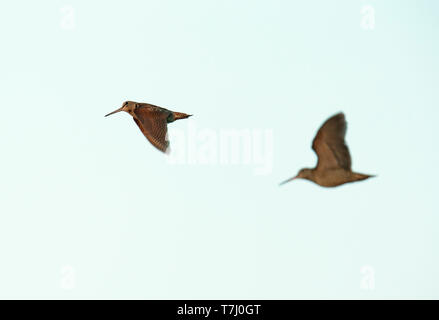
180	115
361	176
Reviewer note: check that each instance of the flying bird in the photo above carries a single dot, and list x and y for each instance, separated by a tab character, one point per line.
334	161
152	121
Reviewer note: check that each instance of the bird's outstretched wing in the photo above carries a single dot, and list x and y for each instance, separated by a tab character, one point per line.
330	146
152	121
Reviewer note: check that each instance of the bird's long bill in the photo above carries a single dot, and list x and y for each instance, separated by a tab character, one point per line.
288	180
115	111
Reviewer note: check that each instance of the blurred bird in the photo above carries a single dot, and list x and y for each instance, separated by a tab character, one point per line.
334	161
152	121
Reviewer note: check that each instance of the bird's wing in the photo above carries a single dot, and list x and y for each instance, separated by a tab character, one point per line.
152	121
330	146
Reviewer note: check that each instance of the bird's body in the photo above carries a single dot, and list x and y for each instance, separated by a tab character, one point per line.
334	177
152	121
334	161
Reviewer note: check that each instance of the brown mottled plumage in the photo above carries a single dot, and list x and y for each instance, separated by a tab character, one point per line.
152	121
334	161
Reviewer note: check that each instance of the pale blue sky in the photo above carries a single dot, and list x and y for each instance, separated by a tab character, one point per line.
89	193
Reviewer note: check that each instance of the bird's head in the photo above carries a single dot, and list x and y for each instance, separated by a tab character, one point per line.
127	106
304	173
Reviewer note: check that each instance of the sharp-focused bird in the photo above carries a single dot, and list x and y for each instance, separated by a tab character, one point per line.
152	121
334	161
